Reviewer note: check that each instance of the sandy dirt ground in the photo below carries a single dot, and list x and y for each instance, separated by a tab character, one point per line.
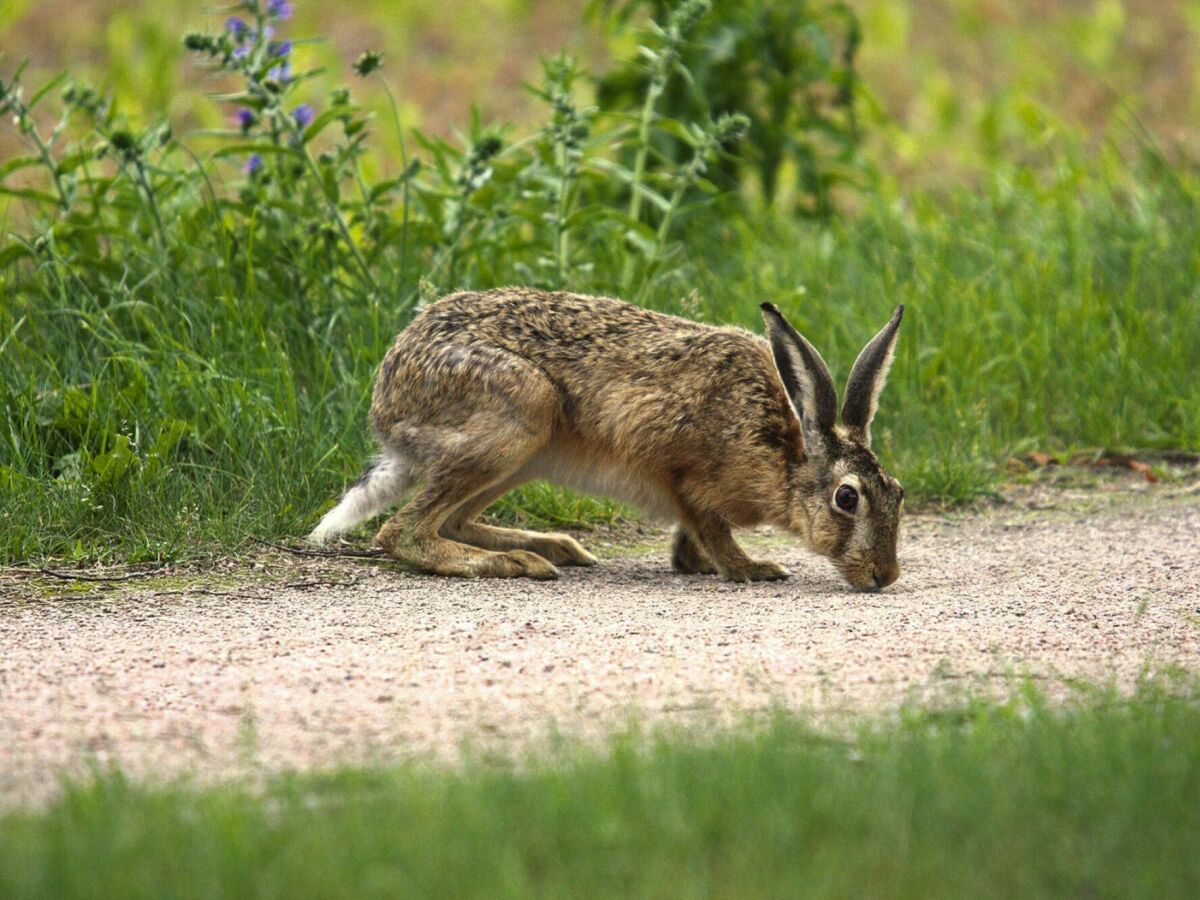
287	662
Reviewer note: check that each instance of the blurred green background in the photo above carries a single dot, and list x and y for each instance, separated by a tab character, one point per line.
951	86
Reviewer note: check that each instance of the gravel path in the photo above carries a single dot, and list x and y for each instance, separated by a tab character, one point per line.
233	674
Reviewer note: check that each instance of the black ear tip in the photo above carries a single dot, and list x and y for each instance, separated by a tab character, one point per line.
899	313
768	307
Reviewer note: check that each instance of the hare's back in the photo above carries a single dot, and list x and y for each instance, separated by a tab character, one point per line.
534	321
593	349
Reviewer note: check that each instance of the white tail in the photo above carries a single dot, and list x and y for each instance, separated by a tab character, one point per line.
382	484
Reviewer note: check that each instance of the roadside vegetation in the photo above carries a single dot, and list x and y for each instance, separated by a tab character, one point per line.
1100	797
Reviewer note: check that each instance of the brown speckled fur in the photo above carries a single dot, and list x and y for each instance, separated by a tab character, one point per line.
486	390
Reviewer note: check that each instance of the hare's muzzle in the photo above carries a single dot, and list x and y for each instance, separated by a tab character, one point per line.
881	576
886	574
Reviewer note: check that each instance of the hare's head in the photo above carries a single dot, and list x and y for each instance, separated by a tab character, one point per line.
842	501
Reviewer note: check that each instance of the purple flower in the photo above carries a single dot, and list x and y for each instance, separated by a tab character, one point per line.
241	52
279	9
281	73
253	165
245	118
239	29
303	114
280	48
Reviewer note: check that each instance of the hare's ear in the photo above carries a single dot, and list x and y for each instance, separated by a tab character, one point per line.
804	374
867	379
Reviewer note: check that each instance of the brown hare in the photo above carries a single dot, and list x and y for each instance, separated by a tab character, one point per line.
714	428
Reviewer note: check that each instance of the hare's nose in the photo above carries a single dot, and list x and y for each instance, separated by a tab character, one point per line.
886	574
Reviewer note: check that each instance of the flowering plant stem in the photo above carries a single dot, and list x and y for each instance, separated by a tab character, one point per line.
10	98
338	218
653	92
561	238
404	189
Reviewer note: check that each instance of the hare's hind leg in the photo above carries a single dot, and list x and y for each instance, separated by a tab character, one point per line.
560	549
414	536
511	417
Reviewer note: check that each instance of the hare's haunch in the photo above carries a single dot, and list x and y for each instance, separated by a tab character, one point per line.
715	428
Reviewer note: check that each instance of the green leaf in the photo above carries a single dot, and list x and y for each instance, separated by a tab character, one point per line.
20	162
244	97
107	468
12	253
174	431
321	122
654	197
29	194
643	238
245	149
47	88
611	169
11	479
678	129
73	161
392	183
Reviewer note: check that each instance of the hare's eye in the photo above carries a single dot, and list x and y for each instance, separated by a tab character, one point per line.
846	498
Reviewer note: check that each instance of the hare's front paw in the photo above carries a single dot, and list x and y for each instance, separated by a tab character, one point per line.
757	570
686	557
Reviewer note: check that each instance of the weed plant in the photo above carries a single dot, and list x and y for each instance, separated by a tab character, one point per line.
790	67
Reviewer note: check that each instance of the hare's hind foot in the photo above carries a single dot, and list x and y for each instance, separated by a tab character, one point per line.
441	556
560	549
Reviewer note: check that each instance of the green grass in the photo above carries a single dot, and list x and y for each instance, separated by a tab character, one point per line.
187	351
1043	313
1098	798
179	421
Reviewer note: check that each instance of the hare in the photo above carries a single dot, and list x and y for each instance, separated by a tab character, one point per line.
712	427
